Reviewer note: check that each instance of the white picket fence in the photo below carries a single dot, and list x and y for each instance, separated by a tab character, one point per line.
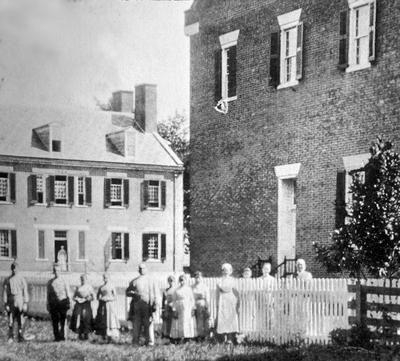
282	311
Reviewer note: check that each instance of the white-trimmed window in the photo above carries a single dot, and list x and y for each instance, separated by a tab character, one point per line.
84	191
361	35
116	192
40	189
60	189
291	48
119	246
154	194
7	187
226	84
8	243
154	246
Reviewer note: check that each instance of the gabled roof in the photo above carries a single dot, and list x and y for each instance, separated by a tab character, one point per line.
83	136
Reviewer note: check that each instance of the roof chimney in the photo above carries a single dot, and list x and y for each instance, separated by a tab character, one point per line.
122	101
146	107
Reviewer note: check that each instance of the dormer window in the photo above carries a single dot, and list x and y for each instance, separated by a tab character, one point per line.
56	145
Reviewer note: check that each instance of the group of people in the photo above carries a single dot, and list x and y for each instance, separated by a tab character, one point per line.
185	309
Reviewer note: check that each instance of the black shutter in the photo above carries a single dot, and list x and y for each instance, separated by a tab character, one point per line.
232	66
88	191
126	246
71	190
50	189
126	193
107	192
218	75
372	21
32	189
145	194
299	52
163	247
274	61
343	39
13	243
11	178
340	199
163	194
145	247
113	248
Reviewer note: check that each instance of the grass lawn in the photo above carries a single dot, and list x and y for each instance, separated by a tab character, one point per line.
42	347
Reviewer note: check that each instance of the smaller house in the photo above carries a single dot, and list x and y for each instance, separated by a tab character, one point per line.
91	190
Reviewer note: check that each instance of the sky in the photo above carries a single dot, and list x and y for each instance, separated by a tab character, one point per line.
70	52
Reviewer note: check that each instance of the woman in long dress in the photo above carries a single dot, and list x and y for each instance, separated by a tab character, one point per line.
107	323
227	305
184	322
82	315
201	295
167	313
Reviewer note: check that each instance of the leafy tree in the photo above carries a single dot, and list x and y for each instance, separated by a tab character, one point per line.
175	131
369	242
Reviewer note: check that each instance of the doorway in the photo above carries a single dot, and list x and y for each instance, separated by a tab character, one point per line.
61	249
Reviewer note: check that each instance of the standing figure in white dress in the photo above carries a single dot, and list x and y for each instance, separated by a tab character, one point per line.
183	325
227	305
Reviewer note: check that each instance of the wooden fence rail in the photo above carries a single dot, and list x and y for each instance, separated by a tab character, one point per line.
282	311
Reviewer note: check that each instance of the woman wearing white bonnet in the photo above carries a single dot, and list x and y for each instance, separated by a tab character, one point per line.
302	274
227	305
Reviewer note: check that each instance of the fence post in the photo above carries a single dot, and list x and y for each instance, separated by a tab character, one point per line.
361	303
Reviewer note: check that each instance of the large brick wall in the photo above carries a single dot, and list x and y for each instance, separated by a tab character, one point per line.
330	114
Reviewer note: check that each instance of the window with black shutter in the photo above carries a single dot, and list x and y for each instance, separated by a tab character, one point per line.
13	243
88	191
343	39
231	64
126	193
107	192
32	192
217	75
126	246
154	246
340	199
274	60
50	189
71	190
163	194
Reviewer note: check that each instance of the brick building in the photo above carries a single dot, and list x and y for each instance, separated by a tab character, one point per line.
309	85
93	190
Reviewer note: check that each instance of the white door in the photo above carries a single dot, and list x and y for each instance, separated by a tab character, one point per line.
286	219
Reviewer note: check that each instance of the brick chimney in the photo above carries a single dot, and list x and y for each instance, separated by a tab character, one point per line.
146	107
122	101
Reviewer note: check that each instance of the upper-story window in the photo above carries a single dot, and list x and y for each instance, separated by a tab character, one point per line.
286	64
7	187
154	194
116	192
357	35
84	191
59	189
225	67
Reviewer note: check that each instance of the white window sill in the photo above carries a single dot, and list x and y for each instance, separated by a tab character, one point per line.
6	259
39	204
61	205
82	260
118	260
6	202
154	209
116	207
153	260
352	68
41	259
81	206
288	85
